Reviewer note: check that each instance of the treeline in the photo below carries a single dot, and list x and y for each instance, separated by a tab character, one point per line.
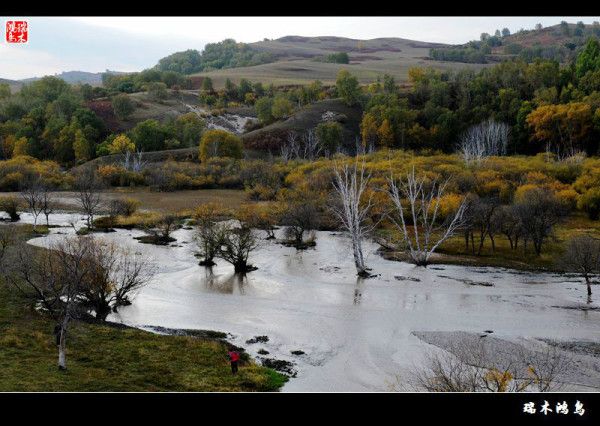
225	54
548	107
48	119
521	198
142	81
270	102
334	58
569	39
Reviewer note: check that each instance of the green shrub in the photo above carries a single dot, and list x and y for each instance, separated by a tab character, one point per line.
590	203
219	143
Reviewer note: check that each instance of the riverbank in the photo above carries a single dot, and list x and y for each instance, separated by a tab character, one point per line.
109	358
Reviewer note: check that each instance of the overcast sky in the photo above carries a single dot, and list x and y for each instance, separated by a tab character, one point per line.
132	44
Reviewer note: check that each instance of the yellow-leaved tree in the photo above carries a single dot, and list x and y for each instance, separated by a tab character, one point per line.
121	145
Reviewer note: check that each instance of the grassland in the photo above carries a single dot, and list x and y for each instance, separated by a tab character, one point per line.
369	59
305	71
166	202
106	358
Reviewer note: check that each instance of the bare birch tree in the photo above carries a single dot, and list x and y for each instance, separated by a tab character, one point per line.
422	200
134	161
353	207
312	148
290	149
48	202
56	277
483	140
32	195
89	198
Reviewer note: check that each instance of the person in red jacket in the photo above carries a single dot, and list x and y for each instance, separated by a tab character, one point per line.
234	357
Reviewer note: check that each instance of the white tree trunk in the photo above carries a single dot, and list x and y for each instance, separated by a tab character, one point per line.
350	185
423	204
62	350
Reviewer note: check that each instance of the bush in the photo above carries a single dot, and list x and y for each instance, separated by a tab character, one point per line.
123	107
10	205
114	175
219	143
123	206
589	202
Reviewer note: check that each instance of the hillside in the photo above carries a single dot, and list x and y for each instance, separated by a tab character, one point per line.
559	42
297	60
270	137
13	84
76	77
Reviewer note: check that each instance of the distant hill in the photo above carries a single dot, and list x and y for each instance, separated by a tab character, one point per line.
77	77
296	60
559	42
13	84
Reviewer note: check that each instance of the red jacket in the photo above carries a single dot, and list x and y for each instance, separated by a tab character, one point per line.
234	356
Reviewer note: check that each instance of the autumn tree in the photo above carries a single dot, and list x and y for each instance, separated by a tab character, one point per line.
348	88
385	134
220	143
121	145
563	127
369	131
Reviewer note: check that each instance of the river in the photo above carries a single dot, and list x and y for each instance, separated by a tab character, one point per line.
356	334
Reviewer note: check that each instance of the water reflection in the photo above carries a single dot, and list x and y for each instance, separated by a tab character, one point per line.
358	290
231	283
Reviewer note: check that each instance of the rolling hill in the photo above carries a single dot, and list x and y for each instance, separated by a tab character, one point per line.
297	60
13	84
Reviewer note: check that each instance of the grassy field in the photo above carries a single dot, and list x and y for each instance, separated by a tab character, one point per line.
167	202
105	358
305	71
369	59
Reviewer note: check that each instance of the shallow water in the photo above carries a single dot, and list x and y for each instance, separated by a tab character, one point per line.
356	334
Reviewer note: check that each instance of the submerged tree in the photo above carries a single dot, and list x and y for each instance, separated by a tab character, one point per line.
236	244
422	199
583	257
353	207
48	202
88	190
208	235
116	274
31	193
